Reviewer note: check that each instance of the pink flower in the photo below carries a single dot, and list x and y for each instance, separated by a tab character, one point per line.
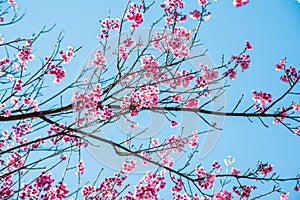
107	25
80	168
239	3
262	97
296	106
196	14
193	141
192	103
135	15
280	65
231	73
235	171
174	124
18	86
284	196
248	45
242	60
223	195
202	2
129	166
99	60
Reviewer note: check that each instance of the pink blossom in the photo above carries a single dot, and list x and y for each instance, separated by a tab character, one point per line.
231	73
178	186
235	171
123	52
262	97
24	55
243	191
129	42
196	14
146	156
80	168
239	3
59	192
280	65
208	74
284	196
242	60
177	98
206	180
176	143
99	60
296	106
135	15
18	86
67	56
249	45
193	141
150	65
202	2
223	195
291	74
15	160
129	166
107	25
192	103
174	124
265	169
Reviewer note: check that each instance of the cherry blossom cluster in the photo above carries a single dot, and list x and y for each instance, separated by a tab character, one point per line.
283	113
4	61
31	103
206	180
231	73
192	103
239	3
69	137
150	65
291	75
123	52
24	55
107	187
148	187
176	42
208	74
88	103
100	60
243	191
80	168
20	130
13	4
195	14
107	25
145	97
262	98
135	15
15	160
242	60
280	65
59	192
58	72
171	9
265	169
18	84
67	56
129	166
43	183
182	79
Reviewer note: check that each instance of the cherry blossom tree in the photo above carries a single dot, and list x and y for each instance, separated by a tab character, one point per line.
44	134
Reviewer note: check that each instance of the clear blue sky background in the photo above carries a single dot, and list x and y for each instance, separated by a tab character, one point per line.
273	27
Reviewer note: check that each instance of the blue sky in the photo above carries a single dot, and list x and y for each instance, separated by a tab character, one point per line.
273	27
